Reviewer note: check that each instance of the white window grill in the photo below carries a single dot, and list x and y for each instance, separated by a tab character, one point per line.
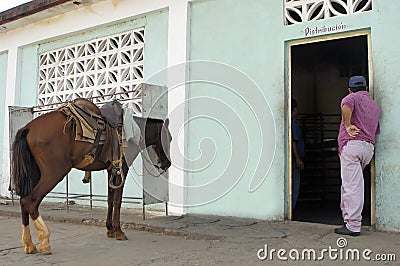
300	11
101	69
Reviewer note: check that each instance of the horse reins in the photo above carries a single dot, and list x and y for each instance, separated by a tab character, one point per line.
121	172
113	164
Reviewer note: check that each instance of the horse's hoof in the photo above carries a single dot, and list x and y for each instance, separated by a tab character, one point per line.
111	234
121	237
45	251
31	250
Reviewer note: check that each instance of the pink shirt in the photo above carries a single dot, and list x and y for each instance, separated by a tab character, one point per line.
365	115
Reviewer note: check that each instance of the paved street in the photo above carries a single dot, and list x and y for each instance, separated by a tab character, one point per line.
87	245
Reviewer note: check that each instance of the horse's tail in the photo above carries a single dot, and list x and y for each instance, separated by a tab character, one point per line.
25	171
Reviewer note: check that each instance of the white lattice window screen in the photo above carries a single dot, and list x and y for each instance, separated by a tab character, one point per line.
299	11
101	70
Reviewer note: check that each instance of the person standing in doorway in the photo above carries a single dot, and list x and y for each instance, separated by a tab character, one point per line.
298	151
358	128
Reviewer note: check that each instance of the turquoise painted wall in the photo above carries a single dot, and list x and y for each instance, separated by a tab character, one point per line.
386	59
251	37
3	110
382	23
156	43
225	135
27	76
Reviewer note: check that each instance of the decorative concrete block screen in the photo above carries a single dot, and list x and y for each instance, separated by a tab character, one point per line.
300	11
100	69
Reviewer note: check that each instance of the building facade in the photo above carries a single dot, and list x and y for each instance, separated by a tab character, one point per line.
232	68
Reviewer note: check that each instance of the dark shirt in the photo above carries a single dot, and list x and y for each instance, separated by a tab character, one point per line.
298	137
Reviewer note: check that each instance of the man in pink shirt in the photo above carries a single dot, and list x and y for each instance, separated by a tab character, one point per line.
360	124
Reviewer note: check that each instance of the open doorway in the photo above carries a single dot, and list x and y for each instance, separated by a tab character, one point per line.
319	79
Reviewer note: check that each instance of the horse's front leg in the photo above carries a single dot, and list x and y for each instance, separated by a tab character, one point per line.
119	234
110	200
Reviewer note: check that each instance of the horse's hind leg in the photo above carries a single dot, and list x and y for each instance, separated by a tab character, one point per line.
31	205
43	234
44	186
29	247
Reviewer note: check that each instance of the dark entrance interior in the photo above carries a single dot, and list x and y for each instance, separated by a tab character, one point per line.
320	73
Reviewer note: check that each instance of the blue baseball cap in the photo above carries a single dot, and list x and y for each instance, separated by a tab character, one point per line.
357	81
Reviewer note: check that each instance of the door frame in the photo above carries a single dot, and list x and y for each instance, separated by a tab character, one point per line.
288	92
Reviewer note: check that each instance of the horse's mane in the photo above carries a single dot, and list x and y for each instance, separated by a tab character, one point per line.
142	121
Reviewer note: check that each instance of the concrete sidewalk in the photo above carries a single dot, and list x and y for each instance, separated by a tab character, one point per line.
245	233
187	226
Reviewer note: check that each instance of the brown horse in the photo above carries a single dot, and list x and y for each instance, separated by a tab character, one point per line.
45	150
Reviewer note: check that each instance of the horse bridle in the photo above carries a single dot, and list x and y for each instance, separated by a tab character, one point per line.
154	165
149	161
121	172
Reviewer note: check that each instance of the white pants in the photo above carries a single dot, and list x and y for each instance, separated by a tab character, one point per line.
354	157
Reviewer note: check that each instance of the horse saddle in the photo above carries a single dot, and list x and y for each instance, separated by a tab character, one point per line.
113	113
99	126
